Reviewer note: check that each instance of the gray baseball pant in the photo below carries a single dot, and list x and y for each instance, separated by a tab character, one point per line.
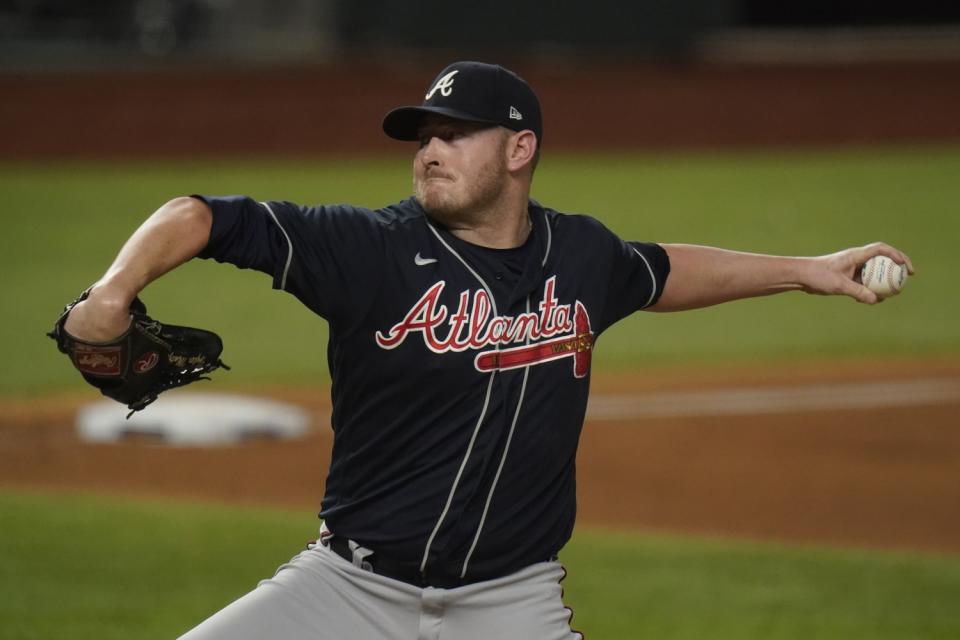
320	596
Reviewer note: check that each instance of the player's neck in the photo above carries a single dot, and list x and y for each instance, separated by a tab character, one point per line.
502	224
497	233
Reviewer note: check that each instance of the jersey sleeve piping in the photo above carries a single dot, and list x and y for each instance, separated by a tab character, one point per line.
286	268
653	279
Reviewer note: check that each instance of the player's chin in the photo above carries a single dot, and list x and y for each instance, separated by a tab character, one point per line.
435	200
436	210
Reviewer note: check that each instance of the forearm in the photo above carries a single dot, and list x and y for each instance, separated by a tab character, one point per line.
174	234
704	276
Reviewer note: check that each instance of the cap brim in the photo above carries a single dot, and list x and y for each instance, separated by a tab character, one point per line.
403	123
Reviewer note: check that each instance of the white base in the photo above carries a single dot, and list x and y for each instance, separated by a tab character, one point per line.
194	419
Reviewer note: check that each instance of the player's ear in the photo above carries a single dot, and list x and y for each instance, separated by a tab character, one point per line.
521	150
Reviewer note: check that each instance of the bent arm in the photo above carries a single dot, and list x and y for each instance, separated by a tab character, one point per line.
174	234
704	276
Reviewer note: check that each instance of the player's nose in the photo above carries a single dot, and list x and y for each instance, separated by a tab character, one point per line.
430	151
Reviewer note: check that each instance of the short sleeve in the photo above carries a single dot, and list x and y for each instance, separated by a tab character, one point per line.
327	256
638	273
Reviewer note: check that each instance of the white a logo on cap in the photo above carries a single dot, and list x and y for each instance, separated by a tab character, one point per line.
515	114
444	84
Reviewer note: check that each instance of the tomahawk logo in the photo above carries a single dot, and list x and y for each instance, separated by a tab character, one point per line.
556	330
444	84
578	345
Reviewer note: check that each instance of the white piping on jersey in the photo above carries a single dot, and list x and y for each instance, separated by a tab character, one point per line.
286	267
653	278
456	481
467	265
546	253
503	459
483	411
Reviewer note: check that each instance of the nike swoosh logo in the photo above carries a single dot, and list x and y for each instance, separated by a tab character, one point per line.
421	261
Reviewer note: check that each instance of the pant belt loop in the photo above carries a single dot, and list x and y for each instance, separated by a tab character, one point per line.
359	555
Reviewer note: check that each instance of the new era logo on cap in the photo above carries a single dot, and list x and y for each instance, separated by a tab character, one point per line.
473	91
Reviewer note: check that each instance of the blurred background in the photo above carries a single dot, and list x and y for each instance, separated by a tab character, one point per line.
171	77
59	33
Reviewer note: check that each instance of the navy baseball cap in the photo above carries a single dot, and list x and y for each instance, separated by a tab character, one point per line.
476	92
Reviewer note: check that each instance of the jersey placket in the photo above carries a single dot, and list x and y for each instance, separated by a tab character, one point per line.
508	415
480	420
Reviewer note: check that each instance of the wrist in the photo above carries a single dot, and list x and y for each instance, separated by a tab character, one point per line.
104	314
808	273
112	295
801	272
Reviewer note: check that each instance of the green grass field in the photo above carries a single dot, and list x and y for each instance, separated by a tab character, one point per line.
77	566
64	224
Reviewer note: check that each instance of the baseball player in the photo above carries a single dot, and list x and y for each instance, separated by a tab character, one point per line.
462	326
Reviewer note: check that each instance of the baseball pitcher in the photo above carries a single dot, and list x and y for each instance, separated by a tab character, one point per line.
463	322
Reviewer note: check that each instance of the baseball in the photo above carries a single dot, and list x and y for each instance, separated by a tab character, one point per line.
883	276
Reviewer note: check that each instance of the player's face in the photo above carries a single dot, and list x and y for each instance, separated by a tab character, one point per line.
460	169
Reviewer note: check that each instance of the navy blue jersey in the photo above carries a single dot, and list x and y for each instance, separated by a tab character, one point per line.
460	374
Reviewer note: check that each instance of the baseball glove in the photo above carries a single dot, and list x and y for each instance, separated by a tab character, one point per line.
148	359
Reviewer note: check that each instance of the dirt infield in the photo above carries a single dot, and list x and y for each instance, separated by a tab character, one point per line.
871	477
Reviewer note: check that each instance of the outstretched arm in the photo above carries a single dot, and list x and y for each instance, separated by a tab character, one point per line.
174	234
705	276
